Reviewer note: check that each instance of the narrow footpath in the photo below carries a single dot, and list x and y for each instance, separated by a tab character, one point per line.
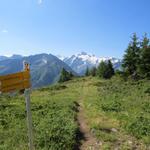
88	141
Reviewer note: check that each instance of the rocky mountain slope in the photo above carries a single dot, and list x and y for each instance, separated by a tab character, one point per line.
45	68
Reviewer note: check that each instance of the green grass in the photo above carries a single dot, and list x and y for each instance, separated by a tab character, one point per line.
54	112
118	112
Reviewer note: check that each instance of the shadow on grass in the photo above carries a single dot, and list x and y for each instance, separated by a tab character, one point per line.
79	134
79	138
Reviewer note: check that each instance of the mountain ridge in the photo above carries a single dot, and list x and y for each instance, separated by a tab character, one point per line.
81	61
45	68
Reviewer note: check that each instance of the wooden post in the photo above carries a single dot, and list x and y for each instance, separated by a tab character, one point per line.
20	81
29	118
28	108
26	66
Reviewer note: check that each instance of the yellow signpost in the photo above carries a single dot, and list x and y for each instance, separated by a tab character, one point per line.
16	82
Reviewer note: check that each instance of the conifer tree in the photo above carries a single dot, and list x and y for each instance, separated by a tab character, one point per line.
144	63
105	70
131	57
65	76
71	74
87	72
110	70
93	71
101	69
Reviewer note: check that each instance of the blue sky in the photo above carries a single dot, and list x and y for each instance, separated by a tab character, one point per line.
65	27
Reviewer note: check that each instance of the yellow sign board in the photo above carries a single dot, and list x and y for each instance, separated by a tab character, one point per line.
20	81
16	81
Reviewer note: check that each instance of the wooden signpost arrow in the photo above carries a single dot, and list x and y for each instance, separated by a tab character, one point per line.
16	82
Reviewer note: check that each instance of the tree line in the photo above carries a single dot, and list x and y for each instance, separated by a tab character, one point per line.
104	70
136	60
135	63
65	76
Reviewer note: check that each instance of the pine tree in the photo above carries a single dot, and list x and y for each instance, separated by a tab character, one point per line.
131	57
101	69
71	74
87	72
93	71
145	41
110	70
105	70
65	76
144	64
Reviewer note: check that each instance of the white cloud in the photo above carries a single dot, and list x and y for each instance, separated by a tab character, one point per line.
40	2
4	31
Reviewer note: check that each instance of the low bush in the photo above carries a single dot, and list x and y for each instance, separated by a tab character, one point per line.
53	88
54	124
146	107
147	91
112	106
139	127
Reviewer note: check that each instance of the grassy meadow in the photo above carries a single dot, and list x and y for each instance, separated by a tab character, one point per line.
117	112
54	111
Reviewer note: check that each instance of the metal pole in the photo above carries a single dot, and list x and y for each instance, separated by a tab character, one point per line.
29	118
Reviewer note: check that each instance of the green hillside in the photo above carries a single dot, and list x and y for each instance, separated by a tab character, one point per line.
117	113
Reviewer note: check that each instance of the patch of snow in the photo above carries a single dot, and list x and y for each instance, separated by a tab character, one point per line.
45	61
73	59
61	57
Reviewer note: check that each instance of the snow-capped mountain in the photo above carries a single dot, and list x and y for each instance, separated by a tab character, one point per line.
45	68
80	62
15	56
60	57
